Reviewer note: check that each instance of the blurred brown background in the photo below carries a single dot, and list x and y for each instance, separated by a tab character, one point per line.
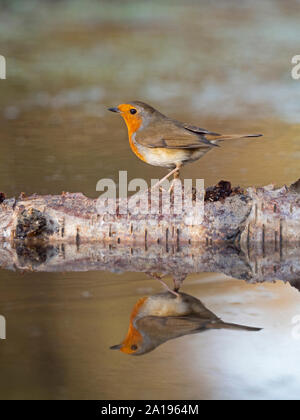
223	65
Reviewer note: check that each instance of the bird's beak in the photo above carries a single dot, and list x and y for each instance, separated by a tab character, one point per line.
116	347
114	110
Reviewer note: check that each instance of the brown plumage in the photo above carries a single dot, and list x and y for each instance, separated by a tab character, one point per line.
162	141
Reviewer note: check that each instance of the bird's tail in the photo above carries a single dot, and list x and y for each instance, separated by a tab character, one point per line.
222	137
229	326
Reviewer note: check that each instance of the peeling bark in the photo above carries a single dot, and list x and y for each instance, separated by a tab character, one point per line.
256	218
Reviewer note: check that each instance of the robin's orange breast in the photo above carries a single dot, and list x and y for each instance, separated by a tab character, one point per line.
135	148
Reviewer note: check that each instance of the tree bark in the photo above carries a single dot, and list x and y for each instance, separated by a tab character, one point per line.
255	218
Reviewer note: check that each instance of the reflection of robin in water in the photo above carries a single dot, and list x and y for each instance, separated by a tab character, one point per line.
162	141
164	316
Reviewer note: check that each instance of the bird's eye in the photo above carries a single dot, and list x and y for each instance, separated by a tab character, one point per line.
133	111
134	347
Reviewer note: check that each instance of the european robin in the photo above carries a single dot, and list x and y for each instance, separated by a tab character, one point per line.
162	141
164	316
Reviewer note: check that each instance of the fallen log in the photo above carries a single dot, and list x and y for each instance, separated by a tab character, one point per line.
255	218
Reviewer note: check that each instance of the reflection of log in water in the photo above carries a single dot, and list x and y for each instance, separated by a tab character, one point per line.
255	218
253	267
162	317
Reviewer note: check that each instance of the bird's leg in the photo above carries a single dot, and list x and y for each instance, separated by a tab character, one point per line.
159	277
176	176
161	181
174	292
177	173
178	279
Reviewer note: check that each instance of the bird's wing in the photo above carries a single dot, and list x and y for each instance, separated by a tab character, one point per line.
166	328
171	134
198	130
171	326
